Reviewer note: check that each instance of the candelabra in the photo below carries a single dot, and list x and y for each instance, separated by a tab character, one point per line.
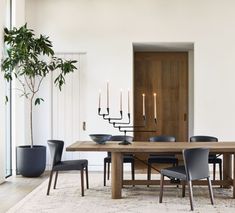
124	126
119	123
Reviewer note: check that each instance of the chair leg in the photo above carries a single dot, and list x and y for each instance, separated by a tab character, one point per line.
161	188
133	171
87	181
183	188
149	173
176	164
220	173
108	170
56	176
104	173
210	191
82	181
49	184
214	170
122	173
190	187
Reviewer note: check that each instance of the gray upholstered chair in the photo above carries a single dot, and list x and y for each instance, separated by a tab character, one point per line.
161	159
195	167
127	158
56	150
213	158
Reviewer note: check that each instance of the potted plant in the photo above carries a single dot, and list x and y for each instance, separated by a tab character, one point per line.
29	59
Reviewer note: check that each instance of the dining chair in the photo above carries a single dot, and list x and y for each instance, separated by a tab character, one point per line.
56	150
213	158
195	168
161	159
127	158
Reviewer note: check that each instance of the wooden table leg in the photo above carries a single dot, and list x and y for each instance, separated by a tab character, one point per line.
227	169
116	178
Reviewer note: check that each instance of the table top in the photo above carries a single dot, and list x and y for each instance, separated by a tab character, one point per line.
151	147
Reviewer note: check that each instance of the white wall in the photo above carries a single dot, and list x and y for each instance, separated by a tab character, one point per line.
106	29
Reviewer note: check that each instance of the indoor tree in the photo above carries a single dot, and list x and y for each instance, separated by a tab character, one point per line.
29	59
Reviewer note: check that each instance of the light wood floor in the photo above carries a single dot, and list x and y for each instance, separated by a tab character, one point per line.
17	187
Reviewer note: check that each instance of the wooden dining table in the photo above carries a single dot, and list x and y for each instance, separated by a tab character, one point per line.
227	149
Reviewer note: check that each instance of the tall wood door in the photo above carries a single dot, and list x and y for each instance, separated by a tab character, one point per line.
166	74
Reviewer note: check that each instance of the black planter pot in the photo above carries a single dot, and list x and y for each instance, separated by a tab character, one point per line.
30	162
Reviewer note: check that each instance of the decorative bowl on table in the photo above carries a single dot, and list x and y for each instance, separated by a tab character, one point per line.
100	138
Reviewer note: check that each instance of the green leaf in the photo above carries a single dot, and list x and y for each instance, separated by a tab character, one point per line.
6	31
38	101
6	99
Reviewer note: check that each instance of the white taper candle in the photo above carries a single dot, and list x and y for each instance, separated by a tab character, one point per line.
143	104
107	94
120	100
155	105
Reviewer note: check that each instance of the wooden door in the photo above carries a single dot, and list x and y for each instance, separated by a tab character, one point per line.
164	73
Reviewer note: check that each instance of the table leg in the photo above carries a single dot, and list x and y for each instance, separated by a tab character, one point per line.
227	169
116	178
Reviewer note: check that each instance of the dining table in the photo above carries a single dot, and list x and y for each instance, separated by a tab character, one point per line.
226	149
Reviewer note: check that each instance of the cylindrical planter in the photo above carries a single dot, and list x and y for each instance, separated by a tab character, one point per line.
30	162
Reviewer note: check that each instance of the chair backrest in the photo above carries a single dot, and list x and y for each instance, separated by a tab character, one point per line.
203	138
121	138
162	138
56	150
196	163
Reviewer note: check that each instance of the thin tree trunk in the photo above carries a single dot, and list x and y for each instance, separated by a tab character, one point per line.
31	121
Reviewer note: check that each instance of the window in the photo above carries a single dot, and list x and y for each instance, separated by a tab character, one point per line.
8	132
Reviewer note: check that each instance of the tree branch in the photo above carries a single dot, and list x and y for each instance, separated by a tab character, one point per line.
31	83
23	85
39	84
31	89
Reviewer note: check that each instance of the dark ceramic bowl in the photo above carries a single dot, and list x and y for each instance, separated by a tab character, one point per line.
100	138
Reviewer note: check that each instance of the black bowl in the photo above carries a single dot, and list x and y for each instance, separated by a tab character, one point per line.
100	138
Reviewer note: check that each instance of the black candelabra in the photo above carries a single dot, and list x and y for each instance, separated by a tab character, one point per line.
124	126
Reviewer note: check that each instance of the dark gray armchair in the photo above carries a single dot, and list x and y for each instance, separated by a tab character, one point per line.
195	167
161	159
56	150
213	158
